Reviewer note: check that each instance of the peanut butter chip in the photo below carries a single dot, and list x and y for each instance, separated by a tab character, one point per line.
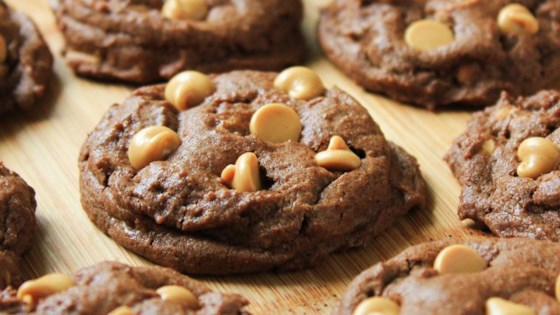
538	156
275	123
150	144
428	34
300	83
338	157
515	19
3	49
499	306
244	175
185	9
32	291
178	294
188	89
557	288
459	259
122	310
377	306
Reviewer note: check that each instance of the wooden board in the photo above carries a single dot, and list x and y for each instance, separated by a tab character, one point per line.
43	147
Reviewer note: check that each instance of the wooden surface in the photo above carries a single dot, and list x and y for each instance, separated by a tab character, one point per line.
43	146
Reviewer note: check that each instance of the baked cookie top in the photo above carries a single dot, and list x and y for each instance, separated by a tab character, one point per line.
507	163
116	289
25	61
254	171
142	41
478	276
436	53
17	224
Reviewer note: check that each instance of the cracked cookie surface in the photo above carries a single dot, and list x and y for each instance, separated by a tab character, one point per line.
179	212
521	271
132	40
366	40
105	287
25	72
17	224
485	161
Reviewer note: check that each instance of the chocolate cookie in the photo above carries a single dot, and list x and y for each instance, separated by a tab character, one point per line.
17	224
142	41
508	164
479	276
25	61
116	289
250	171
436	53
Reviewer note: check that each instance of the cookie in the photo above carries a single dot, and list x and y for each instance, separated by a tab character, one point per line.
242	172
478	276
17	224
118	289
438	53
142	41
507	163
25	61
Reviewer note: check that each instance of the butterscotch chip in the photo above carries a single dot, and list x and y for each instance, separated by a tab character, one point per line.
378	306
538	156
338	157
32	291
178	294
499	306
111	288
515	19
150	144
459	259
188	89
428	34
244	175
185	9
275	123
300	82
489	146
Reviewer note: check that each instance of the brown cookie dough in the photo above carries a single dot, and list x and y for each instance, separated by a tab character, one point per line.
105	287
498	189
25	61
193	210
422	279
134	41
467	59
17	224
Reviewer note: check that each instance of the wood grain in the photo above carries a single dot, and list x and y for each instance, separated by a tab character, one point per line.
43	148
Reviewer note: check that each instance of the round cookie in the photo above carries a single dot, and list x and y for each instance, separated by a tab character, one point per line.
117	289
513	276
209	195
17	224
142	41
25	61
511	191
438	53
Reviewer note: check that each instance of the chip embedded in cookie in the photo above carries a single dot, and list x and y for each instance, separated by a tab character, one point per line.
251	177
441	53
117	289
507	162
17	224
25	61
477	276
147	41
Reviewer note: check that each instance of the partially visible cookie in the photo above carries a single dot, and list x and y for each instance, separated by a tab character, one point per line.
508	164
118	289
478	276
244	171
25	61
438	53
17	224
143	41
